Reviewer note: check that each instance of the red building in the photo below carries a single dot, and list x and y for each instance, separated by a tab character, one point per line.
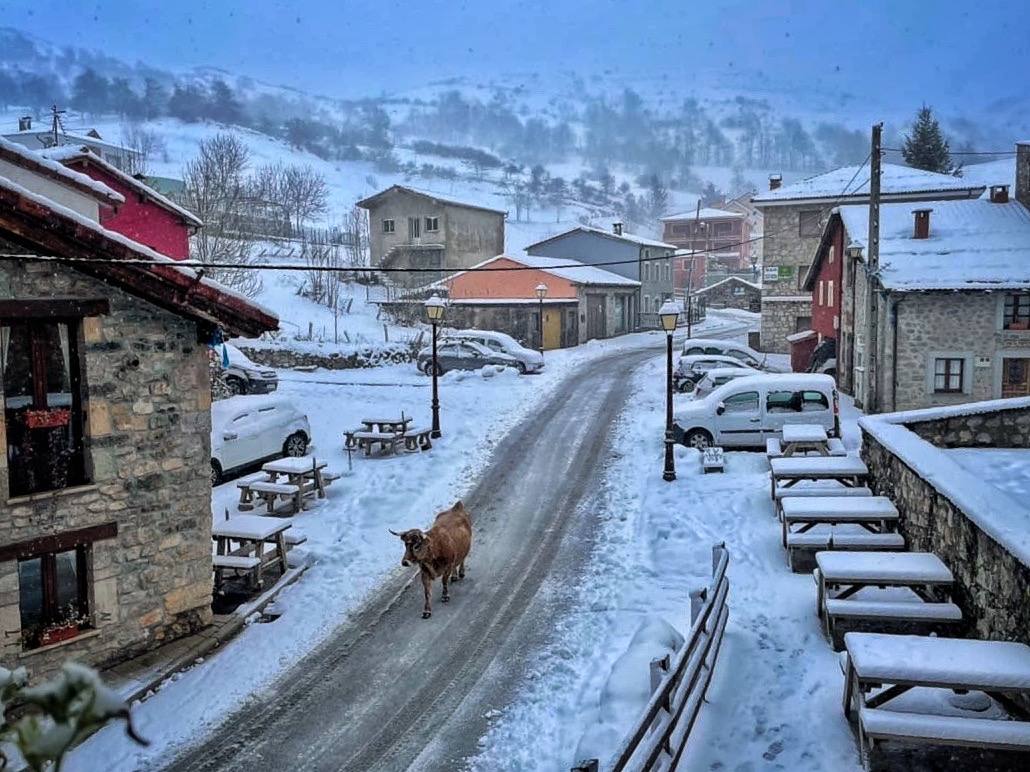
824	280
146	217
717	237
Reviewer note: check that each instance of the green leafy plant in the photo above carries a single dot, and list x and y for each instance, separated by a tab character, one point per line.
59	714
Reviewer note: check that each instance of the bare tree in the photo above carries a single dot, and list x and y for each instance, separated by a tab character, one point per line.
356	236
146	144
216	191
305	194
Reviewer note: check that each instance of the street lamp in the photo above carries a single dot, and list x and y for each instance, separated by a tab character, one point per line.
434	310
541	292
669	314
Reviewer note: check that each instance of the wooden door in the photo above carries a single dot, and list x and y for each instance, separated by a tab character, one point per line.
552	328
1015	377
595	317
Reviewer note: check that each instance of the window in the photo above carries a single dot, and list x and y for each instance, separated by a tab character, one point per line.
820	293
432	224
809	223
802	323
829	292
780	402
647	254
813	401
388	226
829	258
742	403
53	600
948	374
646	304
1017	312
39	365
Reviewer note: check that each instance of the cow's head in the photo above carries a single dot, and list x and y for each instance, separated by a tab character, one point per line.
416	546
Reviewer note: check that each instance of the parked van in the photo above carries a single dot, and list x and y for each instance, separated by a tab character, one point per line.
747	411
745	354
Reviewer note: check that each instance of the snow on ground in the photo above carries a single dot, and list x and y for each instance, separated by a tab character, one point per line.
775	696
348	544
1007	469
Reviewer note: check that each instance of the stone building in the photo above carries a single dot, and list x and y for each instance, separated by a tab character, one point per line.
105	543
720	240
950	316
794	217
732	292
582	302
410	228
639	259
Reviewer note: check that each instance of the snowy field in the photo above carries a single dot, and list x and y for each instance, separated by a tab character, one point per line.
348	545
776	678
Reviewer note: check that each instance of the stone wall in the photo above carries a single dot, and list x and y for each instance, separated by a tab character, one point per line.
147	448
992	586
1007	428
732	294
391	353
780	319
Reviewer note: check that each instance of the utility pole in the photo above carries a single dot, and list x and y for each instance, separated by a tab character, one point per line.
872	275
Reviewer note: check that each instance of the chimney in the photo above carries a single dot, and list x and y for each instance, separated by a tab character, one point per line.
25	123
999	194
775	180
617	228
1023	173
922	223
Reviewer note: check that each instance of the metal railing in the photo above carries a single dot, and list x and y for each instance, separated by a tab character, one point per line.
679	682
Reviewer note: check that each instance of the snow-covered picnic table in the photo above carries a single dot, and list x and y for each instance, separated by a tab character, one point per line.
306	472
251	532
387	425
847	470
881	667
804	438
905	592
876	514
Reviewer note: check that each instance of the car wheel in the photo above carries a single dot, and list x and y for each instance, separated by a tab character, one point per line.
296	445
698	439
216	473
686	386
521	367
236	385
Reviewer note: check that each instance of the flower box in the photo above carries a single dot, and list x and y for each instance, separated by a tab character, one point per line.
47	419
58	634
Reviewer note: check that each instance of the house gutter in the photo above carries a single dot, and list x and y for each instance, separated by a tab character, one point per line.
895	305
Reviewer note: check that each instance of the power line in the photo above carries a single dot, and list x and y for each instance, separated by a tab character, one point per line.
201	267
963	152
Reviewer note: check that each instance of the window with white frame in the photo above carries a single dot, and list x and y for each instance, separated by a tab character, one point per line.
948	375
432	224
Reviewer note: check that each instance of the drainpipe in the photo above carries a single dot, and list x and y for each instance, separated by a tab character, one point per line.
895	301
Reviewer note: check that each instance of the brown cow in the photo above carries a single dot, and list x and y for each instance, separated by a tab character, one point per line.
440	551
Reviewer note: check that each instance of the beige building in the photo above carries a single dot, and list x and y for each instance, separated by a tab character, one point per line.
105	542
793	220
951	311
410	228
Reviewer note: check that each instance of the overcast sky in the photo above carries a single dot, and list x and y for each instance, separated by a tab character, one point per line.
907	49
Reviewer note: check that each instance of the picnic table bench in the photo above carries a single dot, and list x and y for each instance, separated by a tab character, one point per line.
304	477
418	439
921	580
251	532
808	491
880	667
366	440
846	470
872	520
386	425
804	438
834	447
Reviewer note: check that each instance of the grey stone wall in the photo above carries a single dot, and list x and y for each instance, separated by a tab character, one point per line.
392	353
1022	191
147	435
723	296
471	236
997	429
779	319
992	586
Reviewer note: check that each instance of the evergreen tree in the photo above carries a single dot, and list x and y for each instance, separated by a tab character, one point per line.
224	106
926	148
187	103
155	99
90	92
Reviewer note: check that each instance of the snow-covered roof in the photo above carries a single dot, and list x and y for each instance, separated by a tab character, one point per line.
571	270
853	182
33	161
222	302
707	213
629	237
73	138
998	172
733	279
1001	516
370	201
67	154
973	244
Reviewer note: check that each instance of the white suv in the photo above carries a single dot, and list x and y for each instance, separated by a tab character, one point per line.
246	430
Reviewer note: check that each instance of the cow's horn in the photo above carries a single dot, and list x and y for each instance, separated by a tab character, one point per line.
393	532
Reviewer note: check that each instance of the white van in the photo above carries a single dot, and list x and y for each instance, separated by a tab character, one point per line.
730	348
747	411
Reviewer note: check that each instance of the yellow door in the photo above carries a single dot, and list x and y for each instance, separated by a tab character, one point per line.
552	329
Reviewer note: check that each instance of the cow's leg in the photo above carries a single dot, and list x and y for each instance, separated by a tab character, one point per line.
461	570
427	587
446	589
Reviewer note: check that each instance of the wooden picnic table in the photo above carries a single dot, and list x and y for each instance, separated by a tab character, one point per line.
880	668
876	514
804	438
386	425
252	532
306	472
846	470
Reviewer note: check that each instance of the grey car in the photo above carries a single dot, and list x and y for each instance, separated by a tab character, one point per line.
462	355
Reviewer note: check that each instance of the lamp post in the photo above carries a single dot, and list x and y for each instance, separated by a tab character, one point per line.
541	292
669	315
434	310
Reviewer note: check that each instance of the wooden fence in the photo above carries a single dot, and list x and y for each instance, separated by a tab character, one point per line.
678	683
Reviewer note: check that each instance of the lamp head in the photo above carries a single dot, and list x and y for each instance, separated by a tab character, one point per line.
669	314
435	308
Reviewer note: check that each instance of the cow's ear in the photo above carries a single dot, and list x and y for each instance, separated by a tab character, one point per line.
459	505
